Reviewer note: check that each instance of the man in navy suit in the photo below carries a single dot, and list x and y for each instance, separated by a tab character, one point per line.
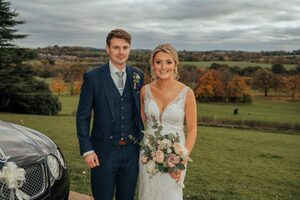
110	95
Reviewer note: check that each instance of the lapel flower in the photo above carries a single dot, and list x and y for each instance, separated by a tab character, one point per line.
136	78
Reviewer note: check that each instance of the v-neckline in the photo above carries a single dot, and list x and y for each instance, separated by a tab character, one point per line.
161	112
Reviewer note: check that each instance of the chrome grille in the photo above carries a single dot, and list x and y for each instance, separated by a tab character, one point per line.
34	184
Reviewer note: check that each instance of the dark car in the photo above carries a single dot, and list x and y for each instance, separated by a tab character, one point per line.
46	175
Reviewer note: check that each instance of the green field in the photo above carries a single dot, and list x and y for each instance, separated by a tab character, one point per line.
264	109
205	64
228	163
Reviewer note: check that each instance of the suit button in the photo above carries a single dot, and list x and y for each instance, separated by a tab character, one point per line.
112	120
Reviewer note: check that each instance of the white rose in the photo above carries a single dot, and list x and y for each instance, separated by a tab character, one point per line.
167	143
150	167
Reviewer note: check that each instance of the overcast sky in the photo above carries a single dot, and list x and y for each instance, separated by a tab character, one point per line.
251	25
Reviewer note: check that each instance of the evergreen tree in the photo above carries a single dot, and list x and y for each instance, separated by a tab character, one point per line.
19	91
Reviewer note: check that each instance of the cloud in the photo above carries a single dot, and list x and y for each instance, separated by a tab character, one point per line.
187	24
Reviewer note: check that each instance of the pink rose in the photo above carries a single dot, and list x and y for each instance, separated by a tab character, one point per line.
159	156
173	160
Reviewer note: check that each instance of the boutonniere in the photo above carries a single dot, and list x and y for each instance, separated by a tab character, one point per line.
136	78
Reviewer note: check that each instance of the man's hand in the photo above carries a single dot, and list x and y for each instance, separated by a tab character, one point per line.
91	160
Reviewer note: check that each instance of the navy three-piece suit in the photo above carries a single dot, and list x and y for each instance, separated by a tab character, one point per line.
116	119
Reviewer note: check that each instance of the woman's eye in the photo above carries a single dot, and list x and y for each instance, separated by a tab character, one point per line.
169	62
157	62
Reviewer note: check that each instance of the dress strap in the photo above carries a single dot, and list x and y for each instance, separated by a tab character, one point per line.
182	96
147	92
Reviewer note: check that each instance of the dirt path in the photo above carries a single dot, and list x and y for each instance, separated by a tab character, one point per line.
78	196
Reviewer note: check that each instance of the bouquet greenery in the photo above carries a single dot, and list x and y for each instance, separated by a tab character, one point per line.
163	153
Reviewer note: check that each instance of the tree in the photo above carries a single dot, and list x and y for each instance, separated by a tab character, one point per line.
278	83
58	86
7	23
293	85
19	91
263	80
238	90
278	68
75	73
209	87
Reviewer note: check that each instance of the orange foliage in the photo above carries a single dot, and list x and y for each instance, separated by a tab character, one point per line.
58	86
77	87
209	85
237	87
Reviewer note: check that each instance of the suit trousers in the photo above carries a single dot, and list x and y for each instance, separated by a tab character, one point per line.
117	175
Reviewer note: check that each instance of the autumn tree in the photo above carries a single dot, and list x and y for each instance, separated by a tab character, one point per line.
58	86
293	85
263	80
75	73
239	90
77	87
278	83
209	87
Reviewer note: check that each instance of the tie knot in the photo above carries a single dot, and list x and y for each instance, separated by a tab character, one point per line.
120	74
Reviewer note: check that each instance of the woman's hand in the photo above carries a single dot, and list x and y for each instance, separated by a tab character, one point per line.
176	175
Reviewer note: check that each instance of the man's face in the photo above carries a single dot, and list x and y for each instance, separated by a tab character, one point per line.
118	52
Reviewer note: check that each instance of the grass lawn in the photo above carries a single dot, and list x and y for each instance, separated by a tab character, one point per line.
264	109
205	64
228	163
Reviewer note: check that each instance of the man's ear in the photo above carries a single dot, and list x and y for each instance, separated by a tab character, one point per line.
107	49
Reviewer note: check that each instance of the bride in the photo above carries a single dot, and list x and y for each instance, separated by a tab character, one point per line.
170	102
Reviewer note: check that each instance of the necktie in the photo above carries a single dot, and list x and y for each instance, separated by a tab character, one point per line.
120	81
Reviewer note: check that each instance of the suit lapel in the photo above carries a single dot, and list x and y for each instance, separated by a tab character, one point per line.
106	79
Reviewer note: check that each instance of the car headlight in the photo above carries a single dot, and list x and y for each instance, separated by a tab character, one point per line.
53	165
61	158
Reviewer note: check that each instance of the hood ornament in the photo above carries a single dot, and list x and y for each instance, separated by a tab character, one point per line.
3	157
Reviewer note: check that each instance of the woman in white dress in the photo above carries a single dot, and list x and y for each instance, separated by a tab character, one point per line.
170	102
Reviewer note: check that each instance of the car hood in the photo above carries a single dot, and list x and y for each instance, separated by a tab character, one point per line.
23	144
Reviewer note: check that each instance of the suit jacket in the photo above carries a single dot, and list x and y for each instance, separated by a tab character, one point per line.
96	101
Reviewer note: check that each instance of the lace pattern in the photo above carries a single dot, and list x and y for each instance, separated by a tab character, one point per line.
162	186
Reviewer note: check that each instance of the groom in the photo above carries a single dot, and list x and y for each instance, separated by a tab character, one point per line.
110	94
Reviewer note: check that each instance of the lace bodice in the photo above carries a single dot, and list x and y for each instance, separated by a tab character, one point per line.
172	117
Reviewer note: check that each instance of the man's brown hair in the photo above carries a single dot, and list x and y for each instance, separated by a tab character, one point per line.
118	33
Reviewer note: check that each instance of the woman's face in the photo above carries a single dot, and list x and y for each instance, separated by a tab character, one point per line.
163	65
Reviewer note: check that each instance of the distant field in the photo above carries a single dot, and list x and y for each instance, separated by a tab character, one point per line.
264	109
229	164
204	64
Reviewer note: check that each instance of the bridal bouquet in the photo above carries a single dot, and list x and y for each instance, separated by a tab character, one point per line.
163	153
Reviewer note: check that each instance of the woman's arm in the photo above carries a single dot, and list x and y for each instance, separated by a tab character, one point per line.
191	120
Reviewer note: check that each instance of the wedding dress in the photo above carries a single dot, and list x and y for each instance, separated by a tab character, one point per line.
162	186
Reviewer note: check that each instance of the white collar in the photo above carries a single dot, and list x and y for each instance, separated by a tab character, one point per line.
114	69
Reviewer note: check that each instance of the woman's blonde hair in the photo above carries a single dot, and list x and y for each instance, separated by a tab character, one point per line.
169	49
